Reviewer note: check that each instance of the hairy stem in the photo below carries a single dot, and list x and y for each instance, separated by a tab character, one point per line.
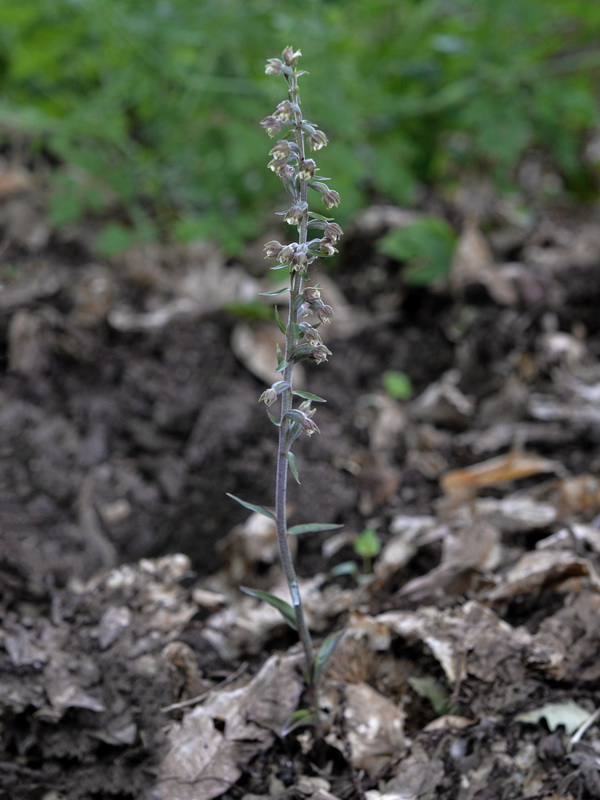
291	341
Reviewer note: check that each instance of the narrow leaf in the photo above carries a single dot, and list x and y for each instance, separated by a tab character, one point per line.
275	292
309	396
345	568
312	527
295	415
323	654
251	507
314	215
285	609
279	321
273	419
301	717
293	465
280	266
282	365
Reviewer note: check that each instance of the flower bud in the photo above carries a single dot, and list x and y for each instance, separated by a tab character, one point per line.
331	198
317	139
306	169
290	56
273	249
311	293
274	66
325	313
272	125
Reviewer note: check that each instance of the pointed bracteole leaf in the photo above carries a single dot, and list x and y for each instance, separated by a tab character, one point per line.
273	419
309	396
324	653
251	507
282	365
285	609
315	215
280	266
275	292
279	321
295	415
293	465
296	720
312	527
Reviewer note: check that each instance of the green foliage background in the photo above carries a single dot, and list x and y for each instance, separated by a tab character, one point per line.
158	102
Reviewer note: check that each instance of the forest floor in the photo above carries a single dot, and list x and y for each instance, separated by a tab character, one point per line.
131	665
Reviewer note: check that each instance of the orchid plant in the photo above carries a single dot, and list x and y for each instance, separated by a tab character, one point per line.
316	237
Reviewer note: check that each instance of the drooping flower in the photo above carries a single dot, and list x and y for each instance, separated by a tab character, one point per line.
272	125
274	66
273	249
317	139
296	214
306	169
331	198
325	314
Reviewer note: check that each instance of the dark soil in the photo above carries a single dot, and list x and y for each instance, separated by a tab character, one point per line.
119	444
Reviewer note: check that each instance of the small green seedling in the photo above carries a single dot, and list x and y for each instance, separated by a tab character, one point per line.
368	546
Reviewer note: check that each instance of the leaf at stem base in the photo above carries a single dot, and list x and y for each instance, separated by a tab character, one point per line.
285	609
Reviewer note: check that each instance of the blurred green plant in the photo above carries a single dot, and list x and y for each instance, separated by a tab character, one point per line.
367	545
145	107
397	384
425	246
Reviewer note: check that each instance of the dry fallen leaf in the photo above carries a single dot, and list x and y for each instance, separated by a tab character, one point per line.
373	727
512	466
208	750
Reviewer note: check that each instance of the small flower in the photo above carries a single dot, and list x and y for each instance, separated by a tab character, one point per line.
295	215
277	165
272	125
273	249
320	353
281	151
331	198
317	139
308	426
326	248
274	66
291	56
284	111
325	314
268	397
312	336
333	231
299	261
286	254
306	170
271	394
